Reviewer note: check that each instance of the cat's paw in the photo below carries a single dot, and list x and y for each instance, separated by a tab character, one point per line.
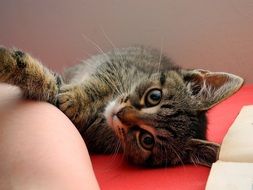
11	64
20	69
71	102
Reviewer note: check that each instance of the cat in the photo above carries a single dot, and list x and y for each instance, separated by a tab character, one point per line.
133	99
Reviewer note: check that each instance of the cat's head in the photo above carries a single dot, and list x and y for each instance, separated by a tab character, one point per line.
162	121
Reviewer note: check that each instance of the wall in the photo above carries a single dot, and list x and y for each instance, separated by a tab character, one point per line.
211	34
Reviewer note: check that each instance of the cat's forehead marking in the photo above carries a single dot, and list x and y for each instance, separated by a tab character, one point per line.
162	78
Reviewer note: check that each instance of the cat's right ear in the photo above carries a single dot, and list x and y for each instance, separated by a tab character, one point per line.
209	88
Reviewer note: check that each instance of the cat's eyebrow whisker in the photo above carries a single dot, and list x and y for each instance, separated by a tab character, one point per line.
120	90
96	46
115	48
120	81
86	53
109	82
160	57
110	41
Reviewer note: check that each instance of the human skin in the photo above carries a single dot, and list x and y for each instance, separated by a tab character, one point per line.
41	149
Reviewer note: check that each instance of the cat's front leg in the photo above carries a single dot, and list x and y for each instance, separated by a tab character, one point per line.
35	80
72	101
82	102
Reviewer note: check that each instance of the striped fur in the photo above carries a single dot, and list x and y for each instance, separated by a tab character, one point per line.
133	99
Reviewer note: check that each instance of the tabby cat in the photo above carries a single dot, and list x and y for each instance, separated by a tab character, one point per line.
133	99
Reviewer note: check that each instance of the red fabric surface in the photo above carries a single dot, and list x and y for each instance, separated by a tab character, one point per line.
113	173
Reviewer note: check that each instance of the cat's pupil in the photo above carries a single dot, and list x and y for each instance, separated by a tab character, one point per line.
148	140
155	95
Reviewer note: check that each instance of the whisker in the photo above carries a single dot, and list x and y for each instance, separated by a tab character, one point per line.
113	159
178	156
96	46
119	82
163	149
195	159
115	48
160	57
165	140
116	151
110	41
108	59
109	82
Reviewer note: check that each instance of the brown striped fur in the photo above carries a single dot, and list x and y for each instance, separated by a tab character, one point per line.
133	99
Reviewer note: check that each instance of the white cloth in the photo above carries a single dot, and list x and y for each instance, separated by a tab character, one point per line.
234	169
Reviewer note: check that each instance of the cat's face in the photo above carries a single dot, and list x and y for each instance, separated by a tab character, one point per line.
159	121
154	120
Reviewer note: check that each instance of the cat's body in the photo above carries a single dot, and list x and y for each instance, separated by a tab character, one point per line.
116	72
132	98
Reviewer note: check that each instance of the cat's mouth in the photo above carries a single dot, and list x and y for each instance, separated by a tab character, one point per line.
118	127
112	119
121	118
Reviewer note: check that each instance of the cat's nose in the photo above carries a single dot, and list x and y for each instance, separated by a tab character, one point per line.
120	114
128	115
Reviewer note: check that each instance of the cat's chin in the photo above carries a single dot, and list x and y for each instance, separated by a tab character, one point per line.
110	112
112	120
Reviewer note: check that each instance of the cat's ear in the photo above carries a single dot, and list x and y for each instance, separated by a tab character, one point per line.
202	152
209	88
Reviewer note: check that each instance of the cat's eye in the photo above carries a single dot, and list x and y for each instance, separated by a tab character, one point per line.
153	97
146	140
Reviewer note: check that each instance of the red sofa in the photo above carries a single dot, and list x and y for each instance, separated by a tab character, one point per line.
113	173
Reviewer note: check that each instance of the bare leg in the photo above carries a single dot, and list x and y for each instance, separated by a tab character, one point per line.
41	149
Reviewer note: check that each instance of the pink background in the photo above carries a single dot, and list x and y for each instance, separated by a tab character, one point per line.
211	34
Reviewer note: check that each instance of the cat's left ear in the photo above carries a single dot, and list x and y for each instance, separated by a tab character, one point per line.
209	88
202	152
